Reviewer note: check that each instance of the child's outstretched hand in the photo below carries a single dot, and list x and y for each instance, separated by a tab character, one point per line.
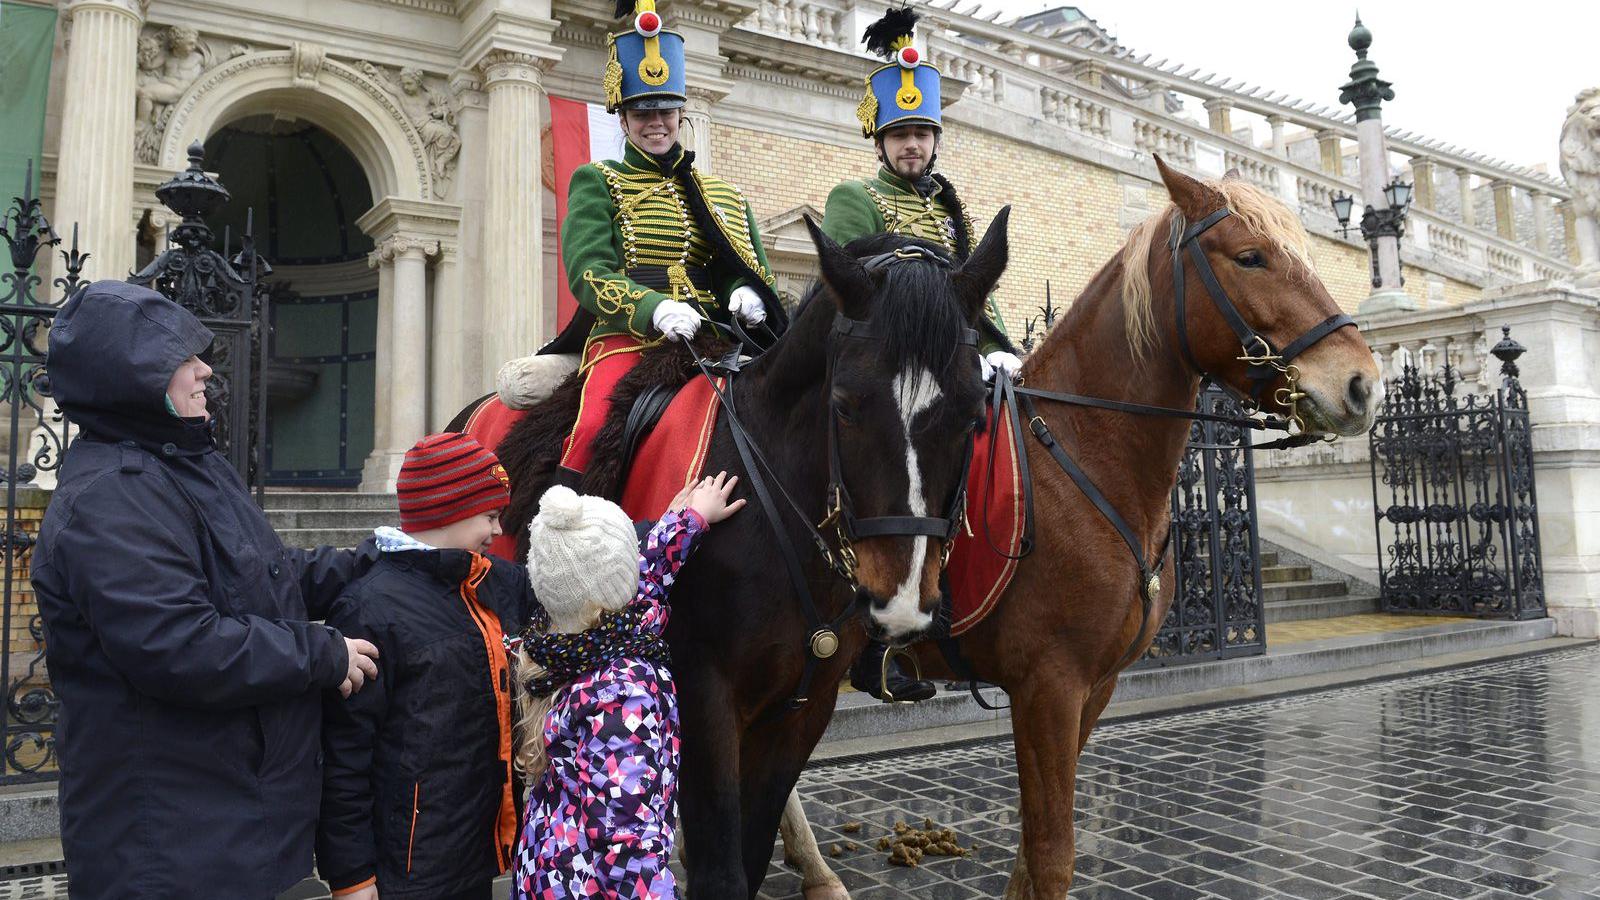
710	496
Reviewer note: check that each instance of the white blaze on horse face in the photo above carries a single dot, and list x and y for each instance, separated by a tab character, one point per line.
914	392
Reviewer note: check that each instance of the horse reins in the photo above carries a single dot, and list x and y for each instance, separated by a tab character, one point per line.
823	640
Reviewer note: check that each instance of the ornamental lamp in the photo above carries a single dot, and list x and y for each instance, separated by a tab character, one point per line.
1398	193
1342	204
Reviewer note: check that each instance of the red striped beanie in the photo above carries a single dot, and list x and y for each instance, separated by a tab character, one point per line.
449	477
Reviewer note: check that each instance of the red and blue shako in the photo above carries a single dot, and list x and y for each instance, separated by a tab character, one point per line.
645	69
905	90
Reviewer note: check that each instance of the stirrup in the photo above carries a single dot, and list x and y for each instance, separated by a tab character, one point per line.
889	654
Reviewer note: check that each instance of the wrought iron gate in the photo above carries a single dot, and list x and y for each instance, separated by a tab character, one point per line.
228	297
1217	609
1453	494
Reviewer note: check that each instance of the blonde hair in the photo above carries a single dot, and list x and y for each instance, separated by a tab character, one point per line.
530	710
1262	214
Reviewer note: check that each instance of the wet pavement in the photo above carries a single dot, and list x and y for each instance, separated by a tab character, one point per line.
1473	783
1480	782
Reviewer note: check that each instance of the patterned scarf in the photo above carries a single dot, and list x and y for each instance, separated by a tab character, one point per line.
568	657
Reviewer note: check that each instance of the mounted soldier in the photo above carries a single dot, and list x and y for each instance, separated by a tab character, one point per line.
653	249
900	112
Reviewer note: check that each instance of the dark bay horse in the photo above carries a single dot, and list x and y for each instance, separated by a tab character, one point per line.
1067	622
879	373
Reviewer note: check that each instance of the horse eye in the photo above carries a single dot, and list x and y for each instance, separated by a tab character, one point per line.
844	408
1251	259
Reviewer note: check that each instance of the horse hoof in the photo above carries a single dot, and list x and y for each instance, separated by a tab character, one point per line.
832	890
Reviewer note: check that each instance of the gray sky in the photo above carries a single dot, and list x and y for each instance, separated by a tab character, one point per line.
1494	78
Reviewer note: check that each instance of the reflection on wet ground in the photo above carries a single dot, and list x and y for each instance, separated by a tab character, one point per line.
1479	782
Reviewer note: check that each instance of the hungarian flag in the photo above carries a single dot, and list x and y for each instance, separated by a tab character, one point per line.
579	133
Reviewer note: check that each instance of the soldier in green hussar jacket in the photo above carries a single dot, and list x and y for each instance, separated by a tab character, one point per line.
900	112
652	249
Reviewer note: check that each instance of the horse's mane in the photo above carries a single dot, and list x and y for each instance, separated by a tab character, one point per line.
1264	215
916	313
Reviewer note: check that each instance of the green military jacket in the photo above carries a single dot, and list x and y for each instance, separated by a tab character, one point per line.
887	202
626	215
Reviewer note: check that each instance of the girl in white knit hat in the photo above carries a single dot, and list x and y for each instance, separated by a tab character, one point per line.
599	714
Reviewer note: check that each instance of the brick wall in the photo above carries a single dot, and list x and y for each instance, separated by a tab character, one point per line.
1068	216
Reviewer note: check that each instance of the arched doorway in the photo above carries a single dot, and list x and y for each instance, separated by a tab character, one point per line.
305	190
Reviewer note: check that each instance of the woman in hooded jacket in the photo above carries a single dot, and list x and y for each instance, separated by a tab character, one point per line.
179	630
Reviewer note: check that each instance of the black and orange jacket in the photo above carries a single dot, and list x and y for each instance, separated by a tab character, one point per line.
417	791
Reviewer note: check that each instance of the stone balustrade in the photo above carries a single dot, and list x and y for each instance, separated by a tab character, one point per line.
806	21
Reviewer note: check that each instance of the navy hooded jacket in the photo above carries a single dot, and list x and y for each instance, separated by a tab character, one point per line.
176	628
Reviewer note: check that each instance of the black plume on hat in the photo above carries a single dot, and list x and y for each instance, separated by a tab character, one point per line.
624	8
895	24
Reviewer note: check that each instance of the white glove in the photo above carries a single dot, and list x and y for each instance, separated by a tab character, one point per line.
677	320
746	305
1000	359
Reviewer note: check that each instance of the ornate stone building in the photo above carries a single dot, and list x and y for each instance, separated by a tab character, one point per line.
393	156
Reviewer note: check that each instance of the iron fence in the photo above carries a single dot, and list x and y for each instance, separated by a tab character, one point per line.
1453	495
1217	609
226	294
37	439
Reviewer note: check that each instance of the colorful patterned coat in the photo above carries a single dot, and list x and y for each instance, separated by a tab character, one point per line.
600	822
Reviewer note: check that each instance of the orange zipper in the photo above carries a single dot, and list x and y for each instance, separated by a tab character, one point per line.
416	796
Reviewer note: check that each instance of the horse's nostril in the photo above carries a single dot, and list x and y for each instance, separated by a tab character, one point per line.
1359	391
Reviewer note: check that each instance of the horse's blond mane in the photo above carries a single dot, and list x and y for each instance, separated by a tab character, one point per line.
1263	215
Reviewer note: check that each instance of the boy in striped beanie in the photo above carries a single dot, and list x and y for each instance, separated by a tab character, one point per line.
418	791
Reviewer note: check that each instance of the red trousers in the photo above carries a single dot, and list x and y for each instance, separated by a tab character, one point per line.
605	361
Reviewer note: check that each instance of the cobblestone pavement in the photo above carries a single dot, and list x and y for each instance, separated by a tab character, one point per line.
1474	783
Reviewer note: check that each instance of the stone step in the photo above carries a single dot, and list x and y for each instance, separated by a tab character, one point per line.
289	519
329	500
858	715
1268	558
1319	608
323	537
1303	590
1280	574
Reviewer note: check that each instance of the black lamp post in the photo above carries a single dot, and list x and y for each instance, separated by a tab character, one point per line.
1377	223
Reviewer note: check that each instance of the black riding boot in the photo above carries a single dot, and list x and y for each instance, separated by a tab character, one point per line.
567	478
869	677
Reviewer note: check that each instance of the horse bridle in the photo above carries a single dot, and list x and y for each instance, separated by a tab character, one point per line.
1265	363
840	517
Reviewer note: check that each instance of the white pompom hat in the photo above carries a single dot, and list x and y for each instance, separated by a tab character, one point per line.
583	558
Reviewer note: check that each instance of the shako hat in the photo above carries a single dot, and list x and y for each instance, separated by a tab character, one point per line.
645	69
906	90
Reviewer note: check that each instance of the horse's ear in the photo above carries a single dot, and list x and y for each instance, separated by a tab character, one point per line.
1232	175
976	278
1193	199
843	274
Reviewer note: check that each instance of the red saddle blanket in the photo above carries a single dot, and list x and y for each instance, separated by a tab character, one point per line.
978	573
675	452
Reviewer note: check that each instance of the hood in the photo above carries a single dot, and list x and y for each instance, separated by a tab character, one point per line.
113	349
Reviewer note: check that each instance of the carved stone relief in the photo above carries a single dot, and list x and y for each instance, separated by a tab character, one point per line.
432	112
170	59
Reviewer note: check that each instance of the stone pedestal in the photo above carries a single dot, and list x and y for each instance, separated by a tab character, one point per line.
94	176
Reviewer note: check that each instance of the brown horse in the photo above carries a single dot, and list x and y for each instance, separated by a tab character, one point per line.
1057	651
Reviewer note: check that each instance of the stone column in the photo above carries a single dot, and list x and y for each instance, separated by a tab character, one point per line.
402	364
1279	146
513	239
1332	152
1422	182
1221	112
1541	221
1387	294
696	131
1505	217
1469	209
1569	229
1089	71
94	173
